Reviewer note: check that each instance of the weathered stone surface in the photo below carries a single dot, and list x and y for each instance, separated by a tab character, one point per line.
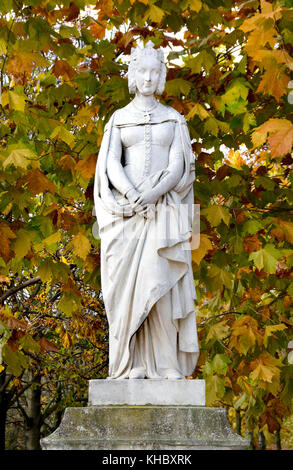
146	392
144	427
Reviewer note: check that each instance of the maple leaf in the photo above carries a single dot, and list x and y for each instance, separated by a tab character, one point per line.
98	28
87	166
37	182
218	331
19	157
81	245
270	330
47	345
266	372
286	228
6	235
67	162
266	258
280	139
251	243
155	14
216	214
215	388
63	68
202	250
274	82
198	109
245	334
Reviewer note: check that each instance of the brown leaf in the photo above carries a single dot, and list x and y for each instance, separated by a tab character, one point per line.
223	171
251	243
37	182
63	68
72	12
47	345
6	235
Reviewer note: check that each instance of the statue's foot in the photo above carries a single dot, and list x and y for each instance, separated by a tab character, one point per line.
137	373
173	374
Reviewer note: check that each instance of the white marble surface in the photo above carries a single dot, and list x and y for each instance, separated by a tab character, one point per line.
146	392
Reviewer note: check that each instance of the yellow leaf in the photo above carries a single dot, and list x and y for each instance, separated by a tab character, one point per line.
269	330
154	14
19	158
204	246
81	245
218	331
195	5
83	117
22	244
54	238
199	110
215	214
3	46
287	228
245	334
266	371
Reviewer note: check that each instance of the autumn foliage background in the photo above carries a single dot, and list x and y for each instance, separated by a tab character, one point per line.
62	74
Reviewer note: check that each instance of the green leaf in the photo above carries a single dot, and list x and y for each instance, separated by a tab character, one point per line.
266	258
216	214
215	389
29	344
16	361
176	86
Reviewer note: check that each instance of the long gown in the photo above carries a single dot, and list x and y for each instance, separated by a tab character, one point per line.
147	280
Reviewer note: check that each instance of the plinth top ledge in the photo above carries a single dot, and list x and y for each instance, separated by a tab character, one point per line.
146	392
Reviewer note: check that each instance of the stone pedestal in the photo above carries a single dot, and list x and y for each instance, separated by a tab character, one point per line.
145	414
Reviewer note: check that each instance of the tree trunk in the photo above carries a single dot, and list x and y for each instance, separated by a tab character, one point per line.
238	422
3	411
33	423
262	441
278	440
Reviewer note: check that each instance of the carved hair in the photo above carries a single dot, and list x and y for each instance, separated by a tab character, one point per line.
137	54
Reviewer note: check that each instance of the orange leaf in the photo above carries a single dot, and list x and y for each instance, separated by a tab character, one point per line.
274	83
87	166
98	29
280	136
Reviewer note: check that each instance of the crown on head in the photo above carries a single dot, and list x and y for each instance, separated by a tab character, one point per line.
140	52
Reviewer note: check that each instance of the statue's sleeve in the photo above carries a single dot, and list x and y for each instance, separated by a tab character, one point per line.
115	171
174	171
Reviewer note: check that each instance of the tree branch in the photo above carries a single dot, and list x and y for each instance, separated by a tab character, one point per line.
13	290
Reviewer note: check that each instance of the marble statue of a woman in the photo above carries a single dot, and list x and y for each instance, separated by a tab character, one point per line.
143	201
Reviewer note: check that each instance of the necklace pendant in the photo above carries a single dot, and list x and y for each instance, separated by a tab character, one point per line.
147	116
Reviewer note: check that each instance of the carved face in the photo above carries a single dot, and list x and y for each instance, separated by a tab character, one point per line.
147	75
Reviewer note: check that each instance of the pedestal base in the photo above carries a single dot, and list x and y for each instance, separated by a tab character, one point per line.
146	392
144	427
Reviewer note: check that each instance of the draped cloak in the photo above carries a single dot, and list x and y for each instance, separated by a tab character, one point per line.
144	257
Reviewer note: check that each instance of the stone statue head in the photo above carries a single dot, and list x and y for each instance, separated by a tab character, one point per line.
147	59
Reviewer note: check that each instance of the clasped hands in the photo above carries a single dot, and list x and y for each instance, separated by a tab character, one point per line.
141	201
